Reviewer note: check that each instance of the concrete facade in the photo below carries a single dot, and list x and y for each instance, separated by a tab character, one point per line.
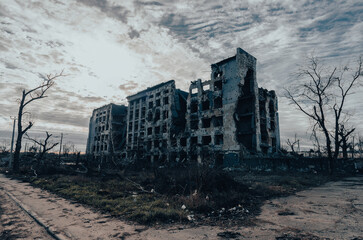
107	130
218	122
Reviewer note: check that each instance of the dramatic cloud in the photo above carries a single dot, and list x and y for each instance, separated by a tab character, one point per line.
110	49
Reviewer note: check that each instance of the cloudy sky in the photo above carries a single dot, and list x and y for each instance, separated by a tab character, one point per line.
110	49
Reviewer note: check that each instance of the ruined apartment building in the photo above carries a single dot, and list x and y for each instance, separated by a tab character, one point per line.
219	121
107	130
155	119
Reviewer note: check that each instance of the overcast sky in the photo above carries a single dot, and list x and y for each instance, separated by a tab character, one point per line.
110	49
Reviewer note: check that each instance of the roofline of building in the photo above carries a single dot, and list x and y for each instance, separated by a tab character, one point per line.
151	88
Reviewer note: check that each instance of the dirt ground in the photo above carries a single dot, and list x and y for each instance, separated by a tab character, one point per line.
331	211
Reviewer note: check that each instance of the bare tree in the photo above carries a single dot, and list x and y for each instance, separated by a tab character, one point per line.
293	144
321	94
27	98
43	145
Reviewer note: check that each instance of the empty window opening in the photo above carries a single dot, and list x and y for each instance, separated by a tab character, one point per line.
194	124
206	140
151	104
194	106
157	115
158	102
218	121
143	111
183	142
218	85
193	141
206	122
149	131
218	139
148	145
164	143
151	96
136	126
166	91
194	90
165	128
156	143
166	100
158	94
218	102
165	114
206	87
136	115
150	116
131	115
218	74
205	105
157	130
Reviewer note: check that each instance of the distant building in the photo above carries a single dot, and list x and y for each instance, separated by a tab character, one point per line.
219	121
107	130
155	118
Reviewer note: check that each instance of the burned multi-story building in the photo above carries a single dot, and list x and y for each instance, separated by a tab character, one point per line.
229	117
219	121
156	116
107	130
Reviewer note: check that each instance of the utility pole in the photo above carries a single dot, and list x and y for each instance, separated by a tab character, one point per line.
12	143
60	147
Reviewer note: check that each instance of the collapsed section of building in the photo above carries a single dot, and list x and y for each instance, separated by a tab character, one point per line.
218	122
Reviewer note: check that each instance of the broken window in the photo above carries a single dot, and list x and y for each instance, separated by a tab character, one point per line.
166	100
150	116
194	124
131	115
218	121
151	104
157	130
164	143
194	106
148	145
166	91
218	139
156	143
193	141
165	114
143	111
218	85
218	102
136	126
183	142
149	131
194	90
130	138
130	127
206	87
151	96
158	102
136	115
165	128
206	122
158	94
107	126
205	105
157	115
206	140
